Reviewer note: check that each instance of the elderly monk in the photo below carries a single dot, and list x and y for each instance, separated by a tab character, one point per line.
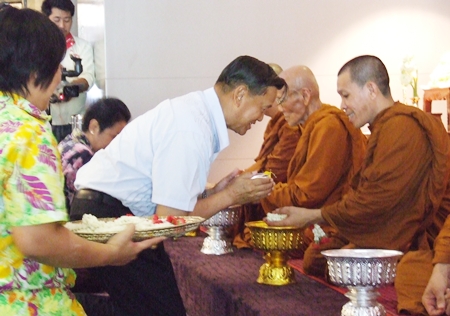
400	198
329	152
278	146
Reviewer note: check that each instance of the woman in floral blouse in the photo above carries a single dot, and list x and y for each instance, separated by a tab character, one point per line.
102	122
36	250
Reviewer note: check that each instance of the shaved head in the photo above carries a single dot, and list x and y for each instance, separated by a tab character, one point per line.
299	77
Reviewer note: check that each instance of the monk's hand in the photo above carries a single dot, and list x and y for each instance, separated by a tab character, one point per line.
243	189
124	249
296	216
433	298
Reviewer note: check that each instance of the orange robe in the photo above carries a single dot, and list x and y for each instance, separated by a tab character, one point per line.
328	154
397	199
279	144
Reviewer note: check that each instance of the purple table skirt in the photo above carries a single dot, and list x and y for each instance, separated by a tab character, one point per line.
226	285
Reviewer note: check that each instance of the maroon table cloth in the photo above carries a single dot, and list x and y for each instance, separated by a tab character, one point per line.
226	285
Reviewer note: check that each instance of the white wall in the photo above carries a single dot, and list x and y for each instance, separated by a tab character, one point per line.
158	49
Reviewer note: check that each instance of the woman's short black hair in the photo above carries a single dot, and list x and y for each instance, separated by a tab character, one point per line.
253	73
30	45
107	112
65	5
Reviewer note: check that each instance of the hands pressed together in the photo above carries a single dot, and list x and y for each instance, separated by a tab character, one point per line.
244	189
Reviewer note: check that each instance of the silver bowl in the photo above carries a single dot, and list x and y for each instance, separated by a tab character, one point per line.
218	243
362	271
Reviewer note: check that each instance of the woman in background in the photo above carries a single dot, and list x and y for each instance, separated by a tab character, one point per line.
36	250
102	121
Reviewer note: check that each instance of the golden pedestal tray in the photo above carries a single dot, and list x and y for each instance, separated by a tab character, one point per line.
275	242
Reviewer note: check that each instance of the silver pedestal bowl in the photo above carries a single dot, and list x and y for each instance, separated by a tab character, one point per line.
362	271
218	243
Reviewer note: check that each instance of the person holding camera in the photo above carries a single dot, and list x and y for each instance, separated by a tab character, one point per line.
61	13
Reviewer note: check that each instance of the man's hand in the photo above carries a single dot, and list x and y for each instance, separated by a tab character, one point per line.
296	216
127	250
436	295
243	189
222	184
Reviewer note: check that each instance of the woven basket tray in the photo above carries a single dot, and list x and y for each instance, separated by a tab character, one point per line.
192	222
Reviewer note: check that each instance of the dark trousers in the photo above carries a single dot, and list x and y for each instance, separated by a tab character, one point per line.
144	287
61	131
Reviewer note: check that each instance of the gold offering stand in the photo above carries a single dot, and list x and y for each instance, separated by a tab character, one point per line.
275	242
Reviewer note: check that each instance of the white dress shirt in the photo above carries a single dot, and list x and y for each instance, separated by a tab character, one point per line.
161	157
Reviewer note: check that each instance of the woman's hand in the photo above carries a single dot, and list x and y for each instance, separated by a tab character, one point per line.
55	245
127	250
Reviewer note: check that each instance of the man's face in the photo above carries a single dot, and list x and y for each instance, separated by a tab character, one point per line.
62	19
293	107
251	109
355	101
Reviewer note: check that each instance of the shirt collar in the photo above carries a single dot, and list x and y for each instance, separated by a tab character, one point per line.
24	105
218	118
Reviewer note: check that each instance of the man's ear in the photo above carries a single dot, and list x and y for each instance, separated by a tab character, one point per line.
239	94
373	89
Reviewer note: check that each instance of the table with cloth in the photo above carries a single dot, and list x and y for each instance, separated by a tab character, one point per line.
226	285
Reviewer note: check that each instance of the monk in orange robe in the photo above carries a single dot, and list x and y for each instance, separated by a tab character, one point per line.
329	152
400	198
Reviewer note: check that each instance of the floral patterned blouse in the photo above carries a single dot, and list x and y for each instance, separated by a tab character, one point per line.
31	193
75	151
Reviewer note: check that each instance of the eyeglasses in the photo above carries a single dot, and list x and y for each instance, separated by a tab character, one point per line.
282	99
286	95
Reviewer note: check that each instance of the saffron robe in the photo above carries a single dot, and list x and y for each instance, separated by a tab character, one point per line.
280	141
396	201
327	155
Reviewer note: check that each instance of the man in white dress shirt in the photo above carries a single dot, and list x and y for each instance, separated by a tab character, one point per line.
159	163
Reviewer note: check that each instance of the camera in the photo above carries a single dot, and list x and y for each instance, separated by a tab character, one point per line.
66	90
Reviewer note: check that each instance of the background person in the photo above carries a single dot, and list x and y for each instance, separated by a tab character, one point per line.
36	251
399	198
159	164
61	13
103	121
